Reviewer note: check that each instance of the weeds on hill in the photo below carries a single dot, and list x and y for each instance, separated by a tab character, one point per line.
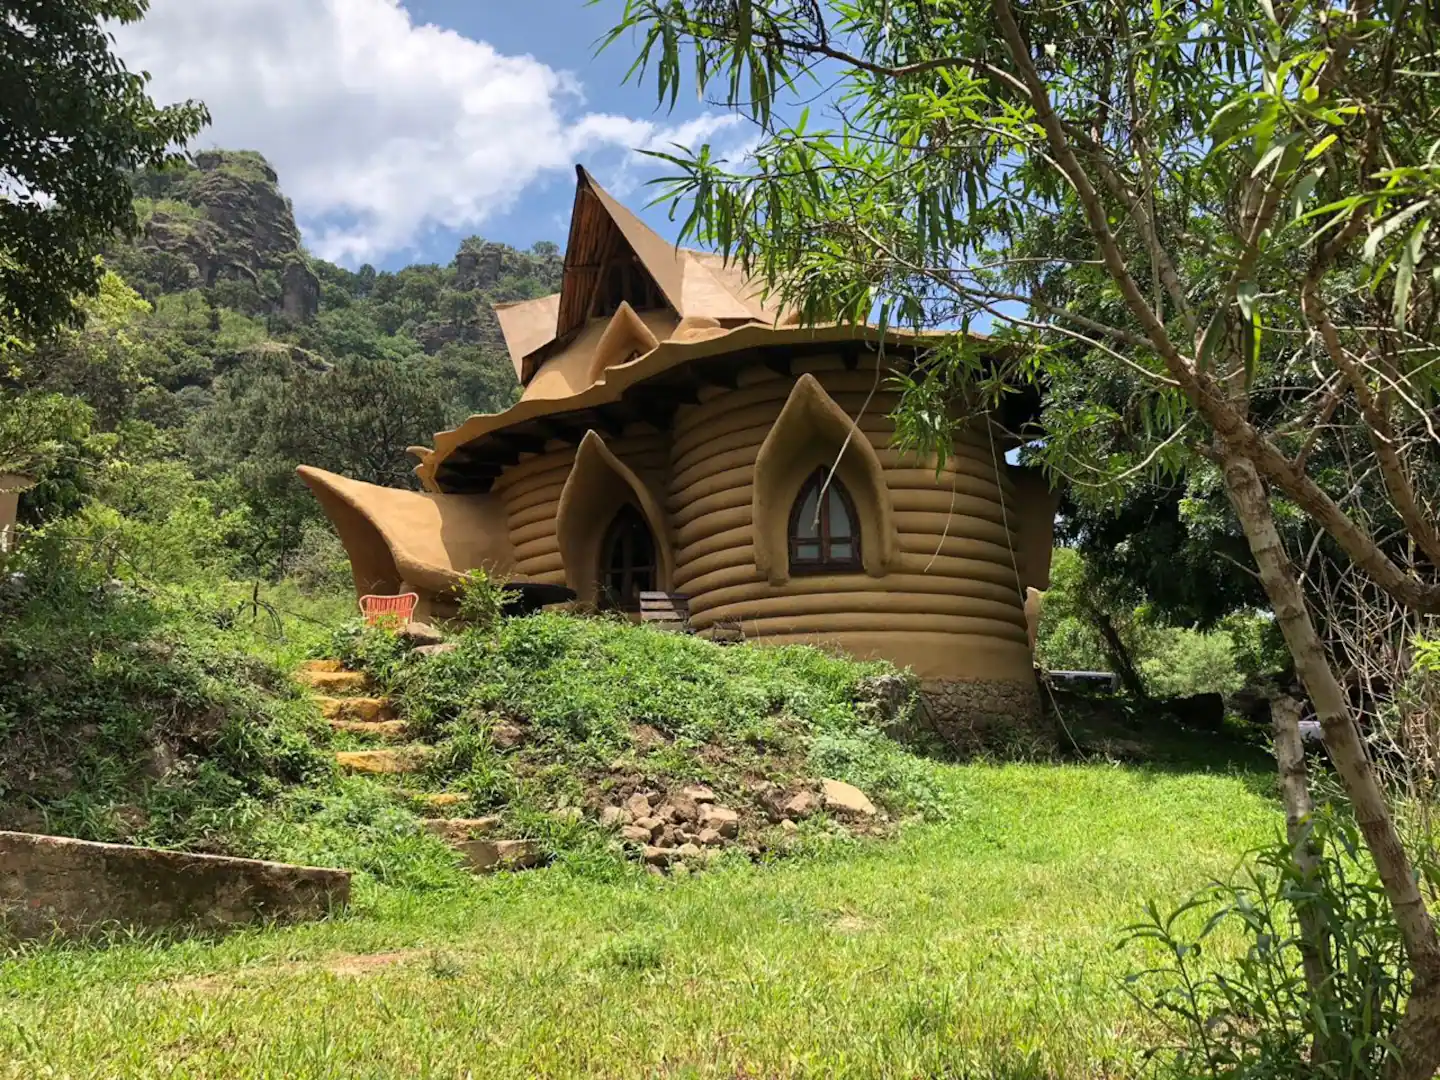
588	692
126	713
147	715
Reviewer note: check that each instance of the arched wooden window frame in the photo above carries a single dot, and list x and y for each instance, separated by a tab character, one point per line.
824	484
598	484
635	576
812	428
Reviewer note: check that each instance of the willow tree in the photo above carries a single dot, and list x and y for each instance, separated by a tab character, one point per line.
1211	199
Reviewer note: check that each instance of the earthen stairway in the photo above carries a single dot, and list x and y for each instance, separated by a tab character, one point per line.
346	701
346	706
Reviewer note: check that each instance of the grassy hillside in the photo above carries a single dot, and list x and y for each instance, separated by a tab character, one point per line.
983	945
165	716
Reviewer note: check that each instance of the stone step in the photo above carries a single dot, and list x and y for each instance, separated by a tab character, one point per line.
487	856
407	759
459	830
365	710
379	729
437	800
321	665
333	681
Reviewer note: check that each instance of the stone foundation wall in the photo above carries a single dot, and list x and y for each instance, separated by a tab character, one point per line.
50	883
976	714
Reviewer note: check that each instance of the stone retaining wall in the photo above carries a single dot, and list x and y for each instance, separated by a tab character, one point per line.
975	714
50	883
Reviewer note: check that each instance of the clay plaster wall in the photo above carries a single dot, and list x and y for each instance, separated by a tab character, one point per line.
948	604
9	504
11	485
531	490
1033	514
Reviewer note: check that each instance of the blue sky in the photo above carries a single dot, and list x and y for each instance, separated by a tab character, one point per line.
399	128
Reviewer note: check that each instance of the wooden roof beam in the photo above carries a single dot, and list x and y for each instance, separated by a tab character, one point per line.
518	441
552	429
721	374
656	408
778	362
609	419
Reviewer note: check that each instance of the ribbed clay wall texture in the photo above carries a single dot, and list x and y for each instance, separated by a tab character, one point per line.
950	606
530	492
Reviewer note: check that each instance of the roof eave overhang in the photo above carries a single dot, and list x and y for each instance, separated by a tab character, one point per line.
667	357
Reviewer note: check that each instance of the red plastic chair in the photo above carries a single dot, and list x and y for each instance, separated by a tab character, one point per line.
388	609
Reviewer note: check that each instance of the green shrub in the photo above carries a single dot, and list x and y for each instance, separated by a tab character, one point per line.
1183	662
1253	1015
483	599
1172	661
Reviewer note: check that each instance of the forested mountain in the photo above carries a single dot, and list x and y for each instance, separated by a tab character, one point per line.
223	354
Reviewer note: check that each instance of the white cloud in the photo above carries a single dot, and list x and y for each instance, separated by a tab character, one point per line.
379	128
624	177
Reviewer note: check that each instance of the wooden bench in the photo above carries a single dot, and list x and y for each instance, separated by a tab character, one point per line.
666	611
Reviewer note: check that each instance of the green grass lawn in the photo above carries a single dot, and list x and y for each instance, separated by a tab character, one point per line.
981	946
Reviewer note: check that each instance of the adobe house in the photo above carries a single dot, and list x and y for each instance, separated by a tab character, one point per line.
675	433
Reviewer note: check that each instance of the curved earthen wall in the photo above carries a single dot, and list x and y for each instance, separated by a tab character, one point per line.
951	607
530	493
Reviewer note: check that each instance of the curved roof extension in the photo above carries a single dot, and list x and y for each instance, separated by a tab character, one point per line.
459	452
422	539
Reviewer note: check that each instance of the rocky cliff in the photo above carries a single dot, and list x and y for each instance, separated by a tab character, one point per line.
223	221
220	256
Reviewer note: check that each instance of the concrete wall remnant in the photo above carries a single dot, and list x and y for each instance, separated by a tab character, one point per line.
55	883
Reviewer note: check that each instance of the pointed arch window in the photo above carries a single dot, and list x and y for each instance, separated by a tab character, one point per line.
824	530
628	563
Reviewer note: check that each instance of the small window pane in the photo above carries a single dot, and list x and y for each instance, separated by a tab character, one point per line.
839	519
807	551
807	522
841	549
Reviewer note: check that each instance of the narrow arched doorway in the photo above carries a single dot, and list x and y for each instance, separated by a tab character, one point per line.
628	565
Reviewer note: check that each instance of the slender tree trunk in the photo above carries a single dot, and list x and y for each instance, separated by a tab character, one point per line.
1417	1039
1119	655
1299	830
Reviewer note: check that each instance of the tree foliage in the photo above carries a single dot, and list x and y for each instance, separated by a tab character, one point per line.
216	356
74	123
1207	222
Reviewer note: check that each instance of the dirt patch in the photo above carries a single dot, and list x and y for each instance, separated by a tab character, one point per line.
648	737
365	964
852	924
251	978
